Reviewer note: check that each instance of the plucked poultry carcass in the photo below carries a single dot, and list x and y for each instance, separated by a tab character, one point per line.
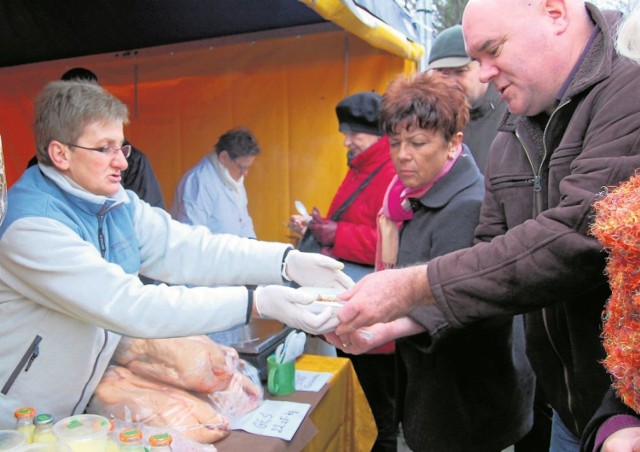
194	363
123	395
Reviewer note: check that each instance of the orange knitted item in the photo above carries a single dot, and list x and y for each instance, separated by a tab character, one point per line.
617	227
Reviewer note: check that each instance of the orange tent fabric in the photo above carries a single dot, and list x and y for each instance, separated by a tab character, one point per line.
283	87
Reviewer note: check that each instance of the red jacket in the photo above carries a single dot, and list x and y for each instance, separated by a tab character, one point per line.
356	236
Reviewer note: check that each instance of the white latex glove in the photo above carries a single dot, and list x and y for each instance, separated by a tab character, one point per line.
315	270
287	305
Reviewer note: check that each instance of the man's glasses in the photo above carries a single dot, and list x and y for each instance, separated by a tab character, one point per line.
243	168
111	150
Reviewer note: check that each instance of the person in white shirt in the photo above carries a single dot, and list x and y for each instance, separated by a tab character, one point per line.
212	193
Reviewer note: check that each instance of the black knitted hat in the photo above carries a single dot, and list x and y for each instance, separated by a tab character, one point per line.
360	113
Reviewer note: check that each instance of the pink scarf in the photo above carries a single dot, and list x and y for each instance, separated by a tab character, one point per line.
396	208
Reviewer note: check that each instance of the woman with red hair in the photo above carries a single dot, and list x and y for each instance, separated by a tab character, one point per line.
462	390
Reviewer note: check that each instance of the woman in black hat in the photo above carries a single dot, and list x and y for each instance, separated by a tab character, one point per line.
349	233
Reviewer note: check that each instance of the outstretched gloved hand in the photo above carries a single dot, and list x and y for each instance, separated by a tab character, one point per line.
287	305
315	270
323	230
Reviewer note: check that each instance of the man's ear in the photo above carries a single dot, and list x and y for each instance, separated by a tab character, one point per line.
59	155
224	156
557	11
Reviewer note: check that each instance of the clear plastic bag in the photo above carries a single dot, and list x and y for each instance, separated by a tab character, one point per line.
192	385
244	393
194	363
137	400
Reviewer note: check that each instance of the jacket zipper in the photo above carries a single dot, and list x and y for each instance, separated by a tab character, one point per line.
565	369
537	187
103	251
25	362
537	182
101	242
93	371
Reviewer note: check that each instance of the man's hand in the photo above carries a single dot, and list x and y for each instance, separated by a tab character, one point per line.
384	296
362	340
625	440
315	270
323	230
287	305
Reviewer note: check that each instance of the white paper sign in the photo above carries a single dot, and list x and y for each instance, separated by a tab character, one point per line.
311	381
279	419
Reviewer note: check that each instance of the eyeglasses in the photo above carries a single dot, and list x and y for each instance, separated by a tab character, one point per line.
110	150
243	168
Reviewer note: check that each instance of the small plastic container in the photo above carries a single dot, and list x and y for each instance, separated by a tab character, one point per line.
83	432
47	447
327	296
11	440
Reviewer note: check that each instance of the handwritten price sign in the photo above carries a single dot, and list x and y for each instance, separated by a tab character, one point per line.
311	381
274	418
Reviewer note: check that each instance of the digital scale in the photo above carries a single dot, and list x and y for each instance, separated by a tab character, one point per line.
254	341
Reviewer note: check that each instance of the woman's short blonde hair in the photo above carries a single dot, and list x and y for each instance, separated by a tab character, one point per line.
64	108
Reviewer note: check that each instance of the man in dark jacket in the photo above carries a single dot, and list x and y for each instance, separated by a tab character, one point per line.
449	57
573	127
140	178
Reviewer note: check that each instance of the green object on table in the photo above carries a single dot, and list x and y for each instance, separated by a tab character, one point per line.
281	378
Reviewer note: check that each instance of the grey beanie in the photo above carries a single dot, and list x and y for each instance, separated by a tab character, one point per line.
448	49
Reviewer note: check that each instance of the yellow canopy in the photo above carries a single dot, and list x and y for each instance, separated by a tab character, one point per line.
367	27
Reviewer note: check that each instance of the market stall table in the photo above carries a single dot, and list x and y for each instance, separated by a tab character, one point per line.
339	419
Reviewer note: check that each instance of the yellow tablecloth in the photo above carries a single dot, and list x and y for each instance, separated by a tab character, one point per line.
343	417
339	420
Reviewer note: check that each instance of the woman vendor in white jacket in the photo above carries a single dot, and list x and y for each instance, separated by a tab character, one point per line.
74	241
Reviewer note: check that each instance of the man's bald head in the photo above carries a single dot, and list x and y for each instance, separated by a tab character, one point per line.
526	48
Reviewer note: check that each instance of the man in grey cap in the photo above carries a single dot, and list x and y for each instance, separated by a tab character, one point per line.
449	57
